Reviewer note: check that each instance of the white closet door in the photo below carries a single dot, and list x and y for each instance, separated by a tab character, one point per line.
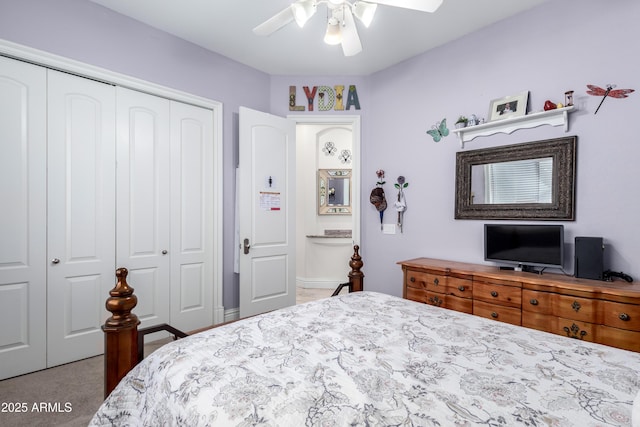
191	216
143	200
81	215
23	186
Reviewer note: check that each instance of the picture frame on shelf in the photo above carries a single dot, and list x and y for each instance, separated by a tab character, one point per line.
509	106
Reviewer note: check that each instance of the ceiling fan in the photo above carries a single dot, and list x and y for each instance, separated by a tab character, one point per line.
341	27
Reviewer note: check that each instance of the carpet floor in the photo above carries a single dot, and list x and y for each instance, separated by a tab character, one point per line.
69	395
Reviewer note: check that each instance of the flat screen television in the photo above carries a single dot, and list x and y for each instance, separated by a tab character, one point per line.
526	246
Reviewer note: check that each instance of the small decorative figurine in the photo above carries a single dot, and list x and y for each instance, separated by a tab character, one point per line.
401	204
568	98
377	198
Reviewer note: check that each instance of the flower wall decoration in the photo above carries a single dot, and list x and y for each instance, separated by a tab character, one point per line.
345	156
401	203
329	148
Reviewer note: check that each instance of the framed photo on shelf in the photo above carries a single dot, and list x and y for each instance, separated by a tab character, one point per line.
509	106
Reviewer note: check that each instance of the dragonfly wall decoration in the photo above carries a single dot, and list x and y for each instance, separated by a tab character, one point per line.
609	91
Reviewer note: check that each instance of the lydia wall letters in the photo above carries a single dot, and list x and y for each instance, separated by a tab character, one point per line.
325	98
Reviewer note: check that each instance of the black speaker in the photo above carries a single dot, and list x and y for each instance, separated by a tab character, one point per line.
589	258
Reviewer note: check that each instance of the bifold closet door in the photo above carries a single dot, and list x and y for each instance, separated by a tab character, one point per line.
23	240
191	216
81	214
143	200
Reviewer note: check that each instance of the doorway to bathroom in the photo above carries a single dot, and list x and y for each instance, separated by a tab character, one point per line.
327	201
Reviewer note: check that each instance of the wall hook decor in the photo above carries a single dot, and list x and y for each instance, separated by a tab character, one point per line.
609	91
377	198
401	203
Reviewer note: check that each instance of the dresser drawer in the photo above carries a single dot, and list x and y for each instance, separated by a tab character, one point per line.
539	321
621	338
464	305
575	329
424	296
497	312
437	299
582	309
537	302
500	294
622	316
462	288
422	280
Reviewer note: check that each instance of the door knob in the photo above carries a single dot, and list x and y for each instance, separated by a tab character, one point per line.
164	252
55	261
246	246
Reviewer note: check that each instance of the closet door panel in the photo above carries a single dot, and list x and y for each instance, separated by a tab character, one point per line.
143	205
23	218
192	216
81	214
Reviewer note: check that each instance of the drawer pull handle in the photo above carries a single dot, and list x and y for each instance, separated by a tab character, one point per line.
436	281
461	288
494	294
533	301
576	306
575	332
624	317
436	301
412	279
494	315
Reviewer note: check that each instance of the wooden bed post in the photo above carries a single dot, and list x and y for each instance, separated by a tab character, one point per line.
120	333
356	276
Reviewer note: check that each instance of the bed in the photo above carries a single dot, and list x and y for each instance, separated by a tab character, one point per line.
371	359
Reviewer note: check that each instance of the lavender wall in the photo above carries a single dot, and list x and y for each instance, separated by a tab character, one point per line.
84	31
556	47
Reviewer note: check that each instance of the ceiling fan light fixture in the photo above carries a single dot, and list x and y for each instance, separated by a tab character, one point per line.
364	12
303	10
333	36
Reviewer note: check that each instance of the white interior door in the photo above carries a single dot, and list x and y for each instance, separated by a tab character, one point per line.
192	216
267	212
143	200
23	165
81	214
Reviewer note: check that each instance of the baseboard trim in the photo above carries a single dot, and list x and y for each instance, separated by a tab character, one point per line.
231	314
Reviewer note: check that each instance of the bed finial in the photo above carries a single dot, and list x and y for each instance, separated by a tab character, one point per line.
120	332
356	276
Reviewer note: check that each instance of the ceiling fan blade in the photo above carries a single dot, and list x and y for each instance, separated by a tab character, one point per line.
350	40
421	5
274	23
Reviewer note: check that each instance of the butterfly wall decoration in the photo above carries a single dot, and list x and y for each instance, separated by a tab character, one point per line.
609	91
439	130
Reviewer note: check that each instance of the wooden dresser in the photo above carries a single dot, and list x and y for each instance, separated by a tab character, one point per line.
591	310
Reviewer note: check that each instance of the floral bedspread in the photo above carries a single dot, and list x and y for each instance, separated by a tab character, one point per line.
369	359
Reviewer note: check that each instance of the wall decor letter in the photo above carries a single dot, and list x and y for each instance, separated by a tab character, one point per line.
326	98
292	100
352	98
310	95
339	105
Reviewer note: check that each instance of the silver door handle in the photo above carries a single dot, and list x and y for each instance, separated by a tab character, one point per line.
55	261
164	252
246	246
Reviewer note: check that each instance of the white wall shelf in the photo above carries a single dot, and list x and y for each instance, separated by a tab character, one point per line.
557	117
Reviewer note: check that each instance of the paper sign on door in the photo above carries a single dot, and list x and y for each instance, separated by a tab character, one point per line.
269	201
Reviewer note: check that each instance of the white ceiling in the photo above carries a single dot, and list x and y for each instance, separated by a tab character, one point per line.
396	34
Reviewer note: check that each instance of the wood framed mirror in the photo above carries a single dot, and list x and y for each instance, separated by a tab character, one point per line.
530	181
334	192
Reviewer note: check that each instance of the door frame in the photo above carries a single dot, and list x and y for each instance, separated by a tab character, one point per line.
49	60
354	121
